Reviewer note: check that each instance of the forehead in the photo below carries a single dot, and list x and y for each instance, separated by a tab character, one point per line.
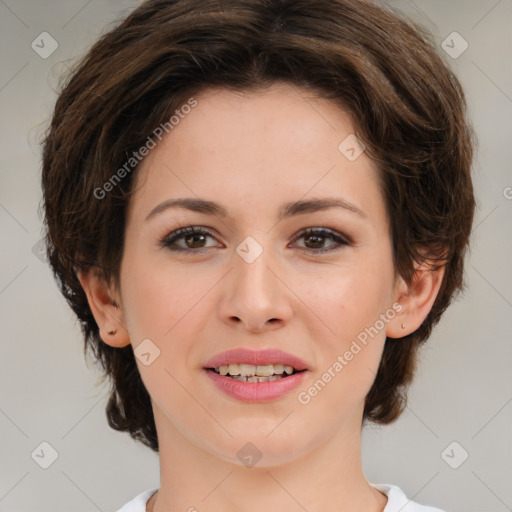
256	149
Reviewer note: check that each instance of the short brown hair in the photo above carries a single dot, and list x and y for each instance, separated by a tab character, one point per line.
408	107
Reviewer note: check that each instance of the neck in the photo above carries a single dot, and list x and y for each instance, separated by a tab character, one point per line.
327	477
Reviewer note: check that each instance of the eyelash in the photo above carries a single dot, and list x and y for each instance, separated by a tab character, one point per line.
172	237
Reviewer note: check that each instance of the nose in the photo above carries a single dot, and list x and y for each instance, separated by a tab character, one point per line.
254	295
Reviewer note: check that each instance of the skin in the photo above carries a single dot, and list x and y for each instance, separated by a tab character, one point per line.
252	152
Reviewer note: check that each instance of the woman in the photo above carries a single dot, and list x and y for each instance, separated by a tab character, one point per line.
258	211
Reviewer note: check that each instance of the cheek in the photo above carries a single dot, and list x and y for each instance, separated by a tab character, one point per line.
347	361
351	303
159	298
161	304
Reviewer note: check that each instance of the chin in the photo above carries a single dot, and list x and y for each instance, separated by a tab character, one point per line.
255	448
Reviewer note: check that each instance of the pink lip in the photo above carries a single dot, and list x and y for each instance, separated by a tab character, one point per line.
256	391
256	357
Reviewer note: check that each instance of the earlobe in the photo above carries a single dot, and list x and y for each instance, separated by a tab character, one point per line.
104	307
416	300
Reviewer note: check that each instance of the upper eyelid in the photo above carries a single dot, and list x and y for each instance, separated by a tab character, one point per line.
211	231
321	231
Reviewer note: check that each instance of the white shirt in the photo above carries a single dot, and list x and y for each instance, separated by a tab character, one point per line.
397	501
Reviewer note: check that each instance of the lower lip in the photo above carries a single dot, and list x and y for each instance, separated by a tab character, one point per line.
256	391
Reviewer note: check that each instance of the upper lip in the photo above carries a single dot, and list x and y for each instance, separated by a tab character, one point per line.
260	357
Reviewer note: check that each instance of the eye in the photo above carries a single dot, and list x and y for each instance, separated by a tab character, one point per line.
194	239
192	236
316	237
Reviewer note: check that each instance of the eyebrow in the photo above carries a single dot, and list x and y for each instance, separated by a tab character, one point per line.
287	210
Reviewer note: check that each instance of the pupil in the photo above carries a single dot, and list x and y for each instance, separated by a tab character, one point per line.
192	237
318	237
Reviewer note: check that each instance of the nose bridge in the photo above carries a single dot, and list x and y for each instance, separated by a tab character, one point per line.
256	295
252	272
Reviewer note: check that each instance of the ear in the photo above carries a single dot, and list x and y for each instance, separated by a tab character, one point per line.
105	307
416	300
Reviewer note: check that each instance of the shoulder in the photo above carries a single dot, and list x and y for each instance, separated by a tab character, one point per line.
138	504
398	501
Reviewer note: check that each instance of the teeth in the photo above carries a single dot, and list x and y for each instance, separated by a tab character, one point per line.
249	370
265	371
270	378
234	369
278	369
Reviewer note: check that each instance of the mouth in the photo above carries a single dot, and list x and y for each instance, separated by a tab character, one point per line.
253	373
256	375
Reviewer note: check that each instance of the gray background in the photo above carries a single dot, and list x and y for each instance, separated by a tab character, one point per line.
463	390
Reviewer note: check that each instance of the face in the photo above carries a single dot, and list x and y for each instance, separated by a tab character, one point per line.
310	283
